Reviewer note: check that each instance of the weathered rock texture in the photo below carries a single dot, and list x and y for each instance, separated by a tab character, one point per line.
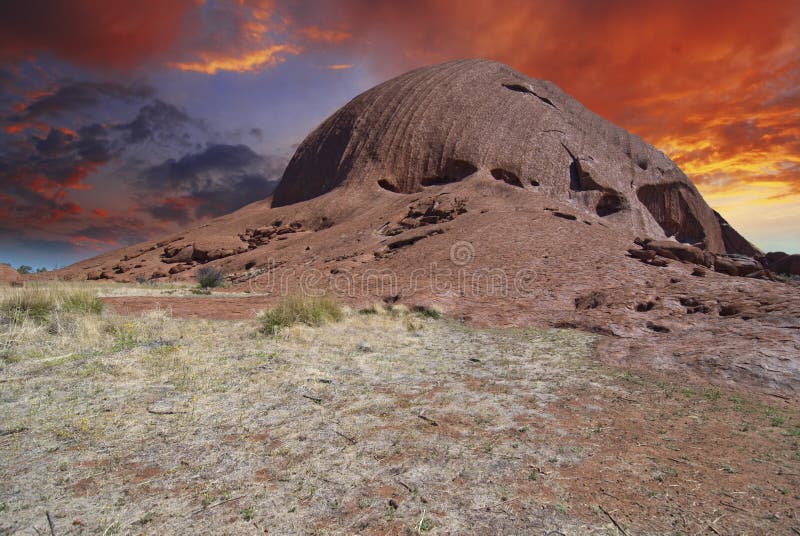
449	122
9	276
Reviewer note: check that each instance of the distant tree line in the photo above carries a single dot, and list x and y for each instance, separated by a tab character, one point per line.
25	269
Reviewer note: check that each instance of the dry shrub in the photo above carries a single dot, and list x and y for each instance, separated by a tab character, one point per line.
309	310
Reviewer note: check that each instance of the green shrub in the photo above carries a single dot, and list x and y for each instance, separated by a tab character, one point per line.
310	310
210	277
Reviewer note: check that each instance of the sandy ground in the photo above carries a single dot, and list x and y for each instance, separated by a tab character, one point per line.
381	424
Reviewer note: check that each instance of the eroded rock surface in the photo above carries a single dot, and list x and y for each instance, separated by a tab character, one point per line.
9	276
445	123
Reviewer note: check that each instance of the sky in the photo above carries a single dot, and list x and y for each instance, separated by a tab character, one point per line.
124	121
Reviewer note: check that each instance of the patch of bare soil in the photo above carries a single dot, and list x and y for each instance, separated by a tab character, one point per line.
387	423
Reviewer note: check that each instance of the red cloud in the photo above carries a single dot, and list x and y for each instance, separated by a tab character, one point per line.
714	83
97	33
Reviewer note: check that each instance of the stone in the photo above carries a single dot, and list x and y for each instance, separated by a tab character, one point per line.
678	251
175	255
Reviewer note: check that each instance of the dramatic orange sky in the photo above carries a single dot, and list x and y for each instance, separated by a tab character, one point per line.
122	120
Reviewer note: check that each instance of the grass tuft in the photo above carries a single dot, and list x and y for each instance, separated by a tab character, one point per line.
309	310
81	301
39	303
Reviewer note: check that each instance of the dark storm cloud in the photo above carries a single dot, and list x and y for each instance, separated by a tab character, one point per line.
190	168
239	192
56	142
215	181
93	144
152	119
76	95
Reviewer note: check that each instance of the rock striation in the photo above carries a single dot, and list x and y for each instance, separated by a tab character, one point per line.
447	123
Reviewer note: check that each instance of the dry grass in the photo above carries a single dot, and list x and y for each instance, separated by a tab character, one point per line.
39	303
312	311
386	422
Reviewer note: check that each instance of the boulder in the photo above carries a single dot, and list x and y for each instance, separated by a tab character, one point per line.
178	268
725	266
176	255
681	252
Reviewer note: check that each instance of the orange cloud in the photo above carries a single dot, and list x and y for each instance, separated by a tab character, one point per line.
320	35
339	66
246	62
714	84
100	213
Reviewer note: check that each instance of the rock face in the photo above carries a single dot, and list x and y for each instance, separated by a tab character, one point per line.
790	265
9	276
448	122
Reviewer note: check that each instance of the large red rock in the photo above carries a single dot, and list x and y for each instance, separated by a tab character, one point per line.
458	120
9	276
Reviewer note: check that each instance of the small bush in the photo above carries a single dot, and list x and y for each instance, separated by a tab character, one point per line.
313	311
210	277
427	312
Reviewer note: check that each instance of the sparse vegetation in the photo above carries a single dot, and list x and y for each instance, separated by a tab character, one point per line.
38	303
210	277
310	432
309	310
427	312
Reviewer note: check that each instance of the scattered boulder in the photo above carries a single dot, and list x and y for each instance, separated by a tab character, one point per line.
178	268
725	266
592	300
642	254
737	265
178	254
9	276
681	252
211	254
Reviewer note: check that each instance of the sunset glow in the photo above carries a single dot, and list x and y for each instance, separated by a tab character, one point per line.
188	110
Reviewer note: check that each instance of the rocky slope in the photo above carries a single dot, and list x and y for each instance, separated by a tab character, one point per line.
501	200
